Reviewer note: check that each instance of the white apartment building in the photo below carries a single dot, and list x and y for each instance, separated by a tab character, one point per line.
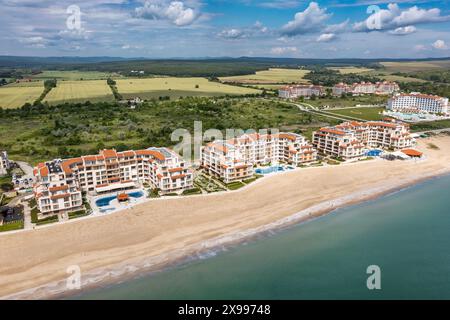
381	88
4	162
110	171
418	103
56	190
352	139
234	159
292	92
338	143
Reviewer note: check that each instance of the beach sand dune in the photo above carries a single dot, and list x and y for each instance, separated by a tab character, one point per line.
167	228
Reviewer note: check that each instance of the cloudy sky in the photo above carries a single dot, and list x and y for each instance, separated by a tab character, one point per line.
216	28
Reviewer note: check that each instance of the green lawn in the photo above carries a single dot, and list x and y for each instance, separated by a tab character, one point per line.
370	114
235	185
17	225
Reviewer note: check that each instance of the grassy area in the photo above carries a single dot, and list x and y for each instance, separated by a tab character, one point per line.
348	70
15	96
80	91
414	66
208	184
78	214
191	192
34	215
43	133
253	179
361	113
17	225
73	75
235	185
177	87
270	76
435	125
338	102
48	220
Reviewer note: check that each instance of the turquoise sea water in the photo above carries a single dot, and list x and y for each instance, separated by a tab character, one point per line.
407	234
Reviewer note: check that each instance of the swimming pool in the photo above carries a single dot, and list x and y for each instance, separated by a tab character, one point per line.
269	170
104	202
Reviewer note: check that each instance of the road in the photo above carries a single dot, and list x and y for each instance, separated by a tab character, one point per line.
305	107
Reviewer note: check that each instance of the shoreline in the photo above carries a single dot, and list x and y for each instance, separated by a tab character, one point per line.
129	270
161	234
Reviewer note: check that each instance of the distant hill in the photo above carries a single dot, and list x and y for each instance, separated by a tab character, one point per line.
206	67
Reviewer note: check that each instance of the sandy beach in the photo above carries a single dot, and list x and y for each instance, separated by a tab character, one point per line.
153	234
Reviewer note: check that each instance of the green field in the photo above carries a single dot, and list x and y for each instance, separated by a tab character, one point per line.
270	76
349	70
73	75
366	113
80	91
338	102
416	66
177	87
16	95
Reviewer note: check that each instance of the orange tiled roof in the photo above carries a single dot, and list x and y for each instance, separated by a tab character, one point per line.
412	153
153	153
60	188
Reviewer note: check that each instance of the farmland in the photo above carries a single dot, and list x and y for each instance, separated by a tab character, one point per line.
415	66
72	75
80	91
15	96
177	87
271	76
349	70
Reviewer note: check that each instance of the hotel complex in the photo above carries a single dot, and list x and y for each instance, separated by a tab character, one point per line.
382	88
352	139
418	103
4	162
292	92
60	183
234	159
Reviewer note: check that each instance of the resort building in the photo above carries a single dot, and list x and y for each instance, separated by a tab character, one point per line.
381	88
292	92
108	171
4	162
418	103
234	159
352	139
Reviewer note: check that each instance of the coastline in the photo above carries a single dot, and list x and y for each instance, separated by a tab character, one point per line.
220	237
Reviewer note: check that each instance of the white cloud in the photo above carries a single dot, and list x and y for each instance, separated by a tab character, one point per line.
283	50
440	45
35	42
260	27
420	47
231	34
174	11
403	31
310	20
280	4
326	37
337	28
393	17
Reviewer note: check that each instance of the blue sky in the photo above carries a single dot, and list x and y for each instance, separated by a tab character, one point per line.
216	28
